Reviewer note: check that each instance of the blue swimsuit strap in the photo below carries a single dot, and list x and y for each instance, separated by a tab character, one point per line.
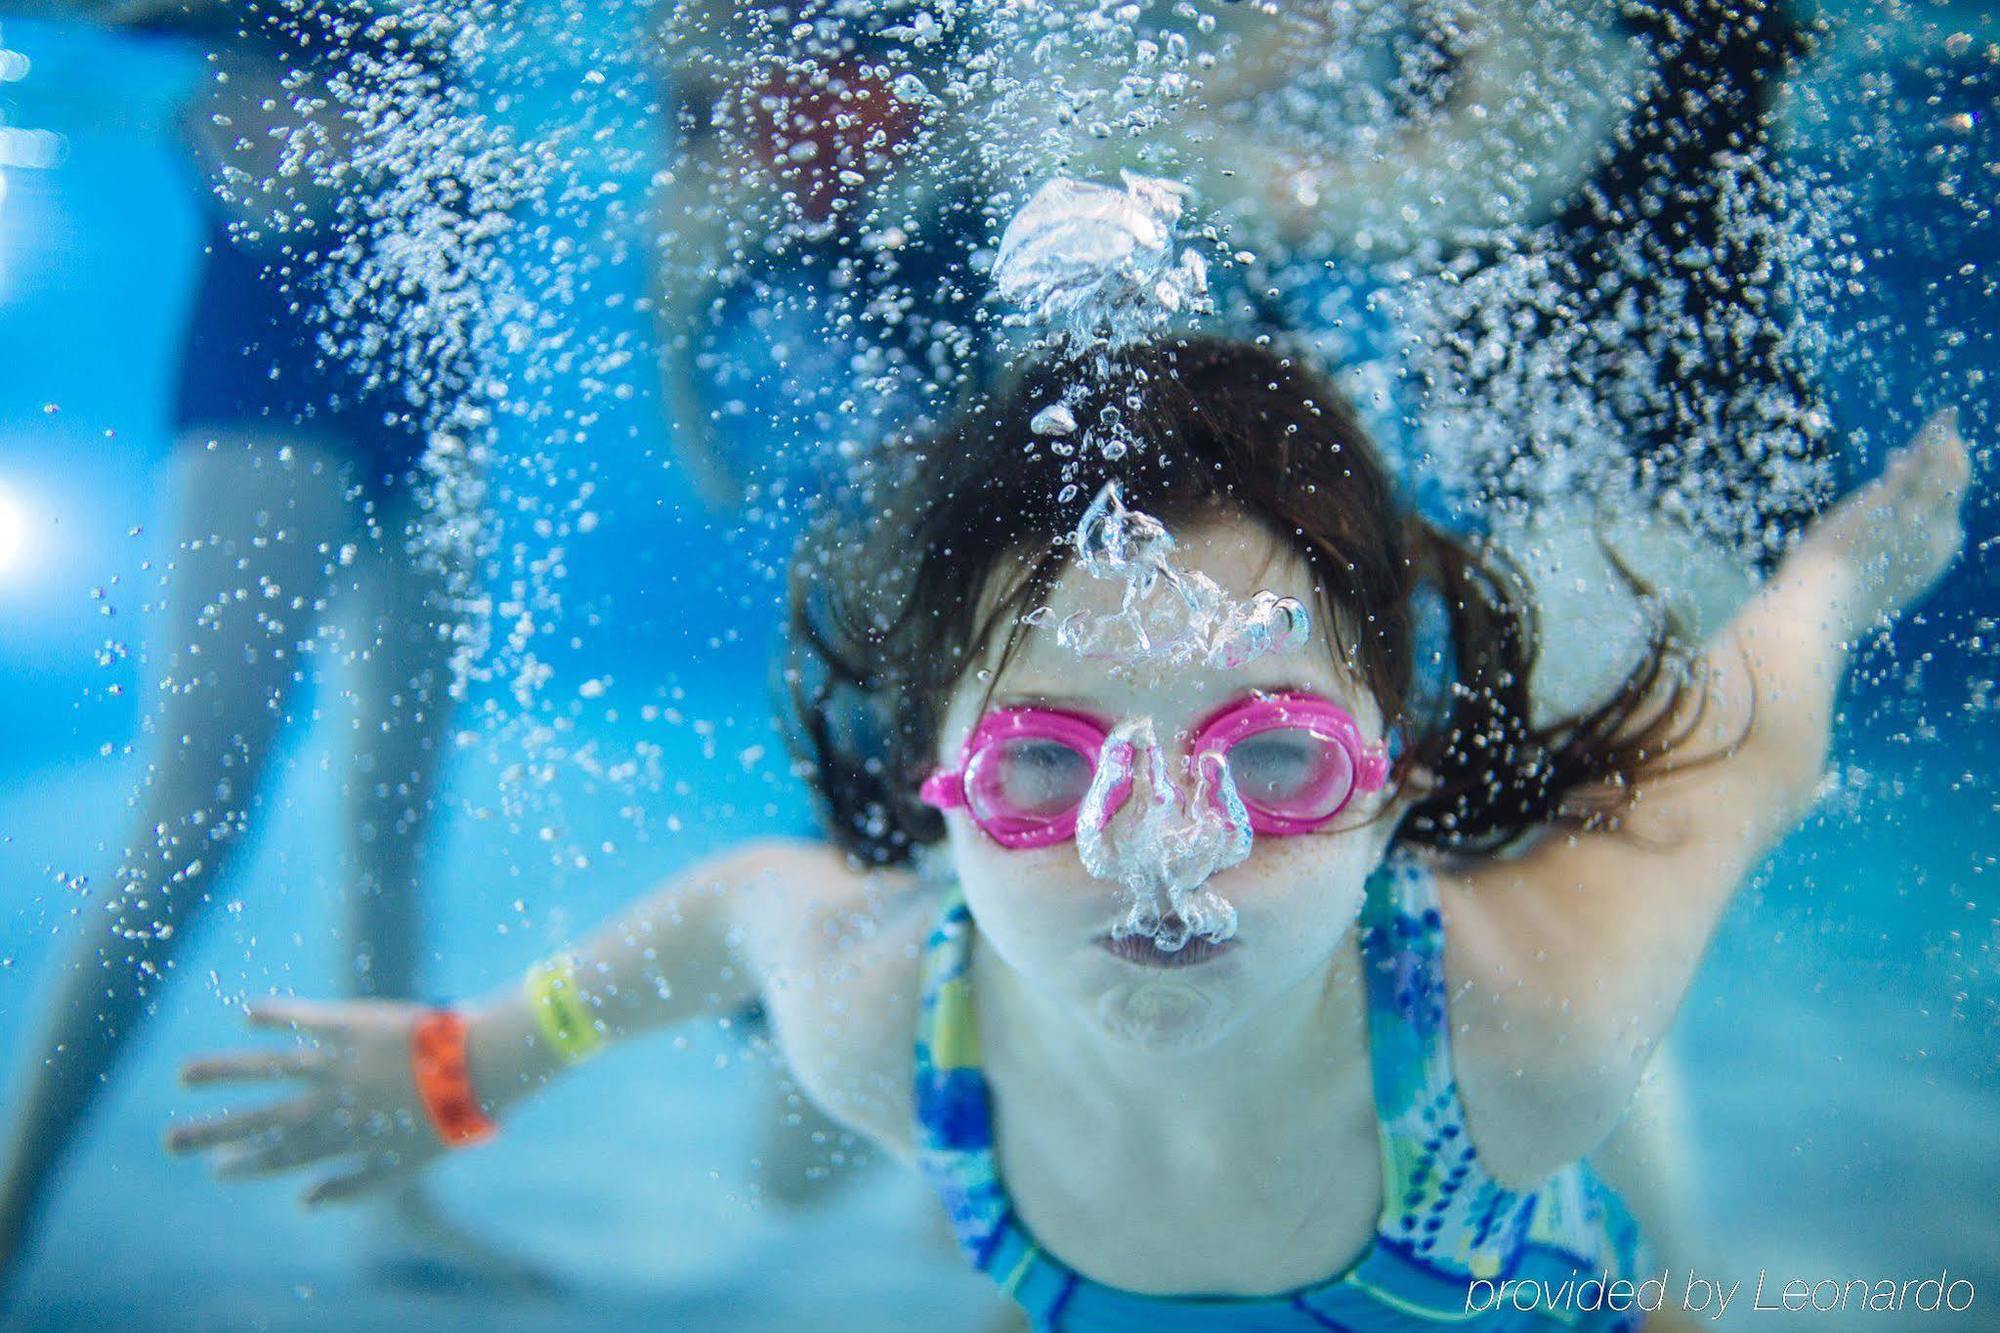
1443	1213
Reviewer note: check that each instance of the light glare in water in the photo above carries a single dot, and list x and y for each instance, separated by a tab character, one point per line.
13	531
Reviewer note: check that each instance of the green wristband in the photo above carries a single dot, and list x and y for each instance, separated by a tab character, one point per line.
561	1012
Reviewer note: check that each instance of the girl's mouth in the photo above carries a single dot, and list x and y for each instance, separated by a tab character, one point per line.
1142	950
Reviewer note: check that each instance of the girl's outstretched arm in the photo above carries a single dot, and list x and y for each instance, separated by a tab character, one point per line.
789	922
1577	954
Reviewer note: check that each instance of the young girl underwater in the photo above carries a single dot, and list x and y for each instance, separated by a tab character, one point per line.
1175	946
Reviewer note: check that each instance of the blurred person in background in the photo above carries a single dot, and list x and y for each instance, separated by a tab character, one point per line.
814	237
298	496
1616	329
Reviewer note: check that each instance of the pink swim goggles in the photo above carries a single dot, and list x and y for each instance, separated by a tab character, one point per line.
1296	761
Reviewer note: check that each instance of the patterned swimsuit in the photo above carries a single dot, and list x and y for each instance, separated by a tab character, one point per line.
1444	1222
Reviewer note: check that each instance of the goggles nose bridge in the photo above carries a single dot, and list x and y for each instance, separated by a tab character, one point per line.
1123	772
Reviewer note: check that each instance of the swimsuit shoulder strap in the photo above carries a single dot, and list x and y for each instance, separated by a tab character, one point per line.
1402	947
1439	1205
955	1147
947	1031
953	1109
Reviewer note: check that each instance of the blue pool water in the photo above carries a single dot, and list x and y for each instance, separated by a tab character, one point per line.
1841	1048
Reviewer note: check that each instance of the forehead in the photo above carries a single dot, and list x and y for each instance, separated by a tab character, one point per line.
1243	558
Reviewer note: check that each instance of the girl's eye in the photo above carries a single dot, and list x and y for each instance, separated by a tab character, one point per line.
1275	763
1291	769
1031	777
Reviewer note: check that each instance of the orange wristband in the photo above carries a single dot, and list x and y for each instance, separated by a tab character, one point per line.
444	1083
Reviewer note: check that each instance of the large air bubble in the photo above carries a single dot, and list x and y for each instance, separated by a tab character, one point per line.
1097	267
1167	615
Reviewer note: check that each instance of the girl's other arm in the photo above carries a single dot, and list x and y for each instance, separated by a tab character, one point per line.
712	939
829	950
1579	952
667	959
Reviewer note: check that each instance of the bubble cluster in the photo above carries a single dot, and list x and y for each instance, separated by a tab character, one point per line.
1166	855
1167	615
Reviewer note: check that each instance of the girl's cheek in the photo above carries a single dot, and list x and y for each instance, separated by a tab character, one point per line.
1041	876
1287	859
1003	873
1304	877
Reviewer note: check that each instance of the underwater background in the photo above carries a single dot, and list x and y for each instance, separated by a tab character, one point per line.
1841	1046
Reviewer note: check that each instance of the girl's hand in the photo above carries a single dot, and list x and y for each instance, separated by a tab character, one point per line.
1893	539
356	1099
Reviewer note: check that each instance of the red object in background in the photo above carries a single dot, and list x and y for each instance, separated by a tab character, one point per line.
825	133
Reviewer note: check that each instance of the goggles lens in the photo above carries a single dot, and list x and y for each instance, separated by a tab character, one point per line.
1292	773
1027	781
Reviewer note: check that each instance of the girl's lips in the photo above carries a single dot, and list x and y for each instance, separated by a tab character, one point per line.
1140	949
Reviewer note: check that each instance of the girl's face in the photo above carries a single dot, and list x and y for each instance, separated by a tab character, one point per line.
1049	920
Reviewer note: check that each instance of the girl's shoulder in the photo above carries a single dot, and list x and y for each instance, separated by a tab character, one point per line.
840	948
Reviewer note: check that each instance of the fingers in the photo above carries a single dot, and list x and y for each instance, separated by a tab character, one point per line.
1955	459
234	1125
1944	475
253	1066
1938	428
1939	451
1926	479
350	1185
306	1143
298	1015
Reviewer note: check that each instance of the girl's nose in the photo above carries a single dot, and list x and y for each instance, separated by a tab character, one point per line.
1136	783
1169	832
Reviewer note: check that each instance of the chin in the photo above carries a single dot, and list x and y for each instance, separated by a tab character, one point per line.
1166	1016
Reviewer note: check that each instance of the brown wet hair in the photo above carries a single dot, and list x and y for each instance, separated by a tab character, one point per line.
890	598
